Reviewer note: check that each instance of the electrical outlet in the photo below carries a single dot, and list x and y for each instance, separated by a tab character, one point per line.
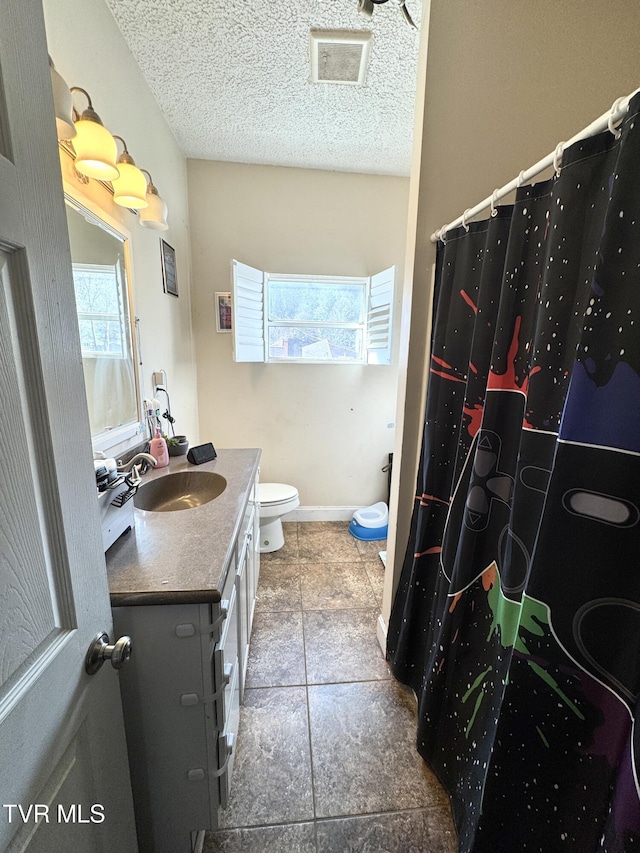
157	378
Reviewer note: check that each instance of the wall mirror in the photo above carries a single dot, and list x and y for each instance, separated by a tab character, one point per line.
99	257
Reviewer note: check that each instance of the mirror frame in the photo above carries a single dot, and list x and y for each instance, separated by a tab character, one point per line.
128	435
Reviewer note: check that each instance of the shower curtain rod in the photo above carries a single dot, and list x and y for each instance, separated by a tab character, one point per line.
608	120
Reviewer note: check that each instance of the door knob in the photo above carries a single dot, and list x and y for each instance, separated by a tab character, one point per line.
100	650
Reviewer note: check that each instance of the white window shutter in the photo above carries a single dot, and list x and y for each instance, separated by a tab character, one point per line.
248	313
380	317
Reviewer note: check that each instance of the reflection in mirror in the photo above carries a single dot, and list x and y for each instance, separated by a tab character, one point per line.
104	318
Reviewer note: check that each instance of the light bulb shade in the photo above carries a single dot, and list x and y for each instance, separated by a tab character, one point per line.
96	150
63	106
130	187
155	215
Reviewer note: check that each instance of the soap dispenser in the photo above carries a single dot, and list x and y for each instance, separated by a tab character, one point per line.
158	449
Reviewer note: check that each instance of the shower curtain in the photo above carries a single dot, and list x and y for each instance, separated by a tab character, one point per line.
517	616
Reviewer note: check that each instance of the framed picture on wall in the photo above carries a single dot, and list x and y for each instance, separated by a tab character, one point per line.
169	278
223	312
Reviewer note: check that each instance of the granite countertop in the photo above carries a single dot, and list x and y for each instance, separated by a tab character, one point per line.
182	557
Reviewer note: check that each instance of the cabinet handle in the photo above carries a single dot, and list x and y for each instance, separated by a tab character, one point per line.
188	699
229	742
224	612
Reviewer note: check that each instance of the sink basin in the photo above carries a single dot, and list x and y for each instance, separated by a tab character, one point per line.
182	490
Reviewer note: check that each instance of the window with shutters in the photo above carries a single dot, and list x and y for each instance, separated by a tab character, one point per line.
311	319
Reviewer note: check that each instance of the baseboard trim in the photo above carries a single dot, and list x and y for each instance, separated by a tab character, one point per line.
381	634
321	513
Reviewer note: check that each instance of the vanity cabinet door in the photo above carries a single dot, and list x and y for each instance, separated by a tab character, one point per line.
225	662
227	738
244	605
248	569
169	720
227	678
254	560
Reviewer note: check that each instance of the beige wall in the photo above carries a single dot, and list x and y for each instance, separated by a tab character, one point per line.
506	80
322	428
89	52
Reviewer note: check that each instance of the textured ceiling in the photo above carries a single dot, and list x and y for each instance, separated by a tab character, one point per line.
232	78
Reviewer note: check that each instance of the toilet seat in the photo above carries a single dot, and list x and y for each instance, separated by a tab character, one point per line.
275	494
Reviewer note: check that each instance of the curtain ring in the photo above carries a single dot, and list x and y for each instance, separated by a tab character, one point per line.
557	158
521	179
617	131
442	235
494	199
464	220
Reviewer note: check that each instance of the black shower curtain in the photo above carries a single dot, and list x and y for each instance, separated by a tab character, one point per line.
517	617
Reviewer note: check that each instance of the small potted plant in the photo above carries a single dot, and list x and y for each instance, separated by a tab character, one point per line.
177	445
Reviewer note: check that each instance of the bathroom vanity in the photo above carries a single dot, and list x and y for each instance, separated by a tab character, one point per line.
183	586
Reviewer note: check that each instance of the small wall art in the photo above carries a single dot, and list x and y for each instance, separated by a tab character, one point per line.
169	278
223	312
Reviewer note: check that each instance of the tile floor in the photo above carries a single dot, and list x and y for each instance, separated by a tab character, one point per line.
326	761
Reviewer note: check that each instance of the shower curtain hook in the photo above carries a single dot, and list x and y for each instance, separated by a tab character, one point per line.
617	131
464	219
442	235
521	179
557	158
494	199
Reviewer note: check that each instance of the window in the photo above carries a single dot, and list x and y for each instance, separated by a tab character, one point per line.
301	318
101	310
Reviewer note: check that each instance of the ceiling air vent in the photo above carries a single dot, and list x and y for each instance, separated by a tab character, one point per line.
340	56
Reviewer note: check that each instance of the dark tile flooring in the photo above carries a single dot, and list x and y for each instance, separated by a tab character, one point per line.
326	759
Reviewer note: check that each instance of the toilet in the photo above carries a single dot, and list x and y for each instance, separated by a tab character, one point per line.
276	500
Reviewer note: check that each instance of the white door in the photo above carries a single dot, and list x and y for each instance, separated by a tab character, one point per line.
64	782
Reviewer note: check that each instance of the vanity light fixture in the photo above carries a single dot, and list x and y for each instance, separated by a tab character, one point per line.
130	187
154	216
95	147
63	104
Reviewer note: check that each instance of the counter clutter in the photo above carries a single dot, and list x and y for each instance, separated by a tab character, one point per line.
183	586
